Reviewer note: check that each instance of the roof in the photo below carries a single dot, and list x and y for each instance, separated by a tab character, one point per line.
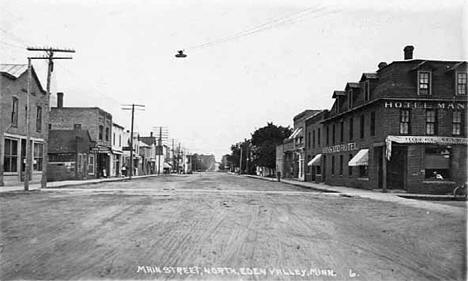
14	71
148	140
143	144
118	126
338	93
369	75
63	141
306	113
419	62
352	85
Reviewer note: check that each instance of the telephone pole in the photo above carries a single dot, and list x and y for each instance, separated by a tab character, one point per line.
50	57
132	108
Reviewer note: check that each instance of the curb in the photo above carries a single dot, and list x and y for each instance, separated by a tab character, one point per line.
293	183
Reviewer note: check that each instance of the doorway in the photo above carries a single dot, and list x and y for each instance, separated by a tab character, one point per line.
396	168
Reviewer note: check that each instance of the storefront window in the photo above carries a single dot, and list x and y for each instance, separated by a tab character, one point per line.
363	171
38	156
350	168
437	162
11	156
91	164
318	170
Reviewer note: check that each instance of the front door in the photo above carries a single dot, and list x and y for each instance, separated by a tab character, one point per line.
396	167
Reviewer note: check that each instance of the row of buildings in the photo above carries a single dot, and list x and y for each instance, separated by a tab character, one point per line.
72	142
401	127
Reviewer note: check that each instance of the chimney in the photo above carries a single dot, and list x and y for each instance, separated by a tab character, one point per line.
151	134
408	52
382	65
59	100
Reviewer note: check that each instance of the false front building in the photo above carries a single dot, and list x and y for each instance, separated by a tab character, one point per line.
402	127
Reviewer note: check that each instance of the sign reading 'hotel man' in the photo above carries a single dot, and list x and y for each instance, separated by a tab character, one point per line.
419	104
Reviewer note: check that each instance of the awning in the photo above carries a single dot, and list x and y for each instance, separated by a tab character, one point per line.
315	161
166	165
360	159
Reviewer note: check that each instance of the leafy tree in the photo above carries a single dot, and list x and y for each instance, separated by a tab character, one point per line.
265	140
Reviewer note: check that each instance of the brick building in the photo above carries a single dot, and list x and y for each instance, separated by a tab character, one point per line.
13	107
116	159
313	146
99	124
402	127
70	155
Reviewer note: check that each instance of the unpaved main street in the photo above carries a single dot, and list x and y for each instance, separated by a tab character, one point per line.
222	227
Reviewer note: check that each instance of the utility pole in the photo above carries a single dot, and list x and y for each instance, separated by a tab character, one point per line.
139	107
45	158
159	150
240	160
247	158
173	159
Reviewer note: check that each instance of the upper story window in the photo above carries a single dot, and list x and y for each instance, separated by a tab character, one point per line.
107	134
14	112
120	140
457	123
372	123
342	131
113	138
405	121
313	139
424	83
328	135
461	83
431	122
101	131
351	129
333	134
39	119
350	98
318	136
361	129
366	90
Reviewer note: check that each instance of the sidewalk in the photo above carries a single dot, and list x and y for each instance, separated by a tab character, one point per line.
395	197
59	184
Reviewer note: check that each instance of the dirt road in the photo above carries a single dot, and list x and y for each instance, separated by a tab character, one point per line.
222	227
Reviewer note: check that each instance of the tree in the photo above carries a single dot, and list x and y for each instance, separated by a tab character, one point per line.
265	140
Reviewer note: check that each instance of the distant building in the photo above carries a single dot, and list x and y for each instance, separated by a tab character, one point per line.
116	160
13	106
313	146
97	121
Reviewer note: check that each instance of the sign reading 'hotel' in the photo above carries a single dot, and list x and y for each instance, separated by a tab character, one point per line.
419	104
340	148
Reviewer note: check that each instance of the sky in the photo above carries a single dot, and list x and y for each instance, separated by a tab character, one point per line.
248	63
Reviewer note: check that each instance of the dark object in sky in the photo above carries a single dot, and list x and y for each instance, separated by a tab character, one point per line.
180	54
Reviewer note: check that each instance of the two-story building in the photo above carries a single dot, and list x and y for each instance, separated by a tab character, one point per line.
13	124
116	159
99	124
313	146
402	127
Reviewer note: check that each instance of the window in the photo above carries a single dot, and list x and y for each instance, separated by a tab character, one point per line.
318	170
11	156
372	124
341	165
350	98
76	126
313	139
351	128
424	83
333	134
457	125
318	136
366	90
431	122
361	129
14	112
107	134
328	135
38	156
101	131
308	139
113	138
39	119
350	168
91	164
363	171
461	83
404	121
342	131
120	140
437	162
333	165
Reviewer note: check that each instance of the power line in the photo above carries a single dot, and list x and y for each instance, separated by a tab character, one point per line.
265	26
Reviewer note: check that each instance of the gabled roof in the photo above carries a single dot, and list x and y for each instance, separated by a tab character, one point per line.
351	85
148	140
14	71
338	93
367	76
457	65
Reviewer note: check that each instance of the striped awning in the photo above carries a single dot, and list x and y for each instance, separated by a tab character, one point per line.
315	161
360	159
